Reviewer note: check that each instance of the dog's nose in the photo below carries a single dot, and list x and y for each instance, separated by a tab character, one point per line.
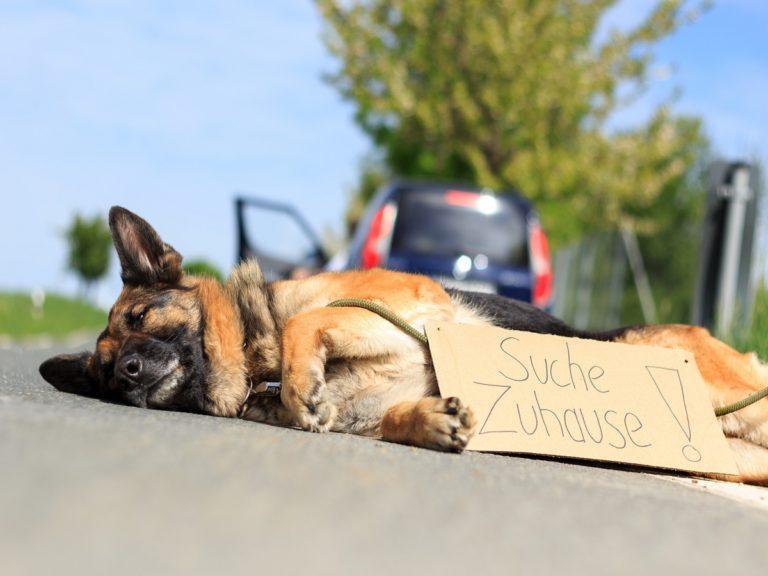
130	366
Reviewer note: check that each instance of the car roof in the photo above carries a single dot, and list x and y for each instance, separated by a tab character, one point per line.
436	186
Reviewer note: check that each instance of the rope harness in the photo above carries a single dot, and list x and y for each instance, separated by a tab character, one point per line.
401	323
382	311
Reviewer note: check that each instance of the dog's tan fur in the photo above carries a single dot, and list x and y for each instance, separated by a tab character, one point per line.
385	382
348	370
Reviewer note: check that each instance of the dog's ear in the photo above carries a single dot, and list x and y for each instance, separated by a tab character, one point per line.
71	373
144	258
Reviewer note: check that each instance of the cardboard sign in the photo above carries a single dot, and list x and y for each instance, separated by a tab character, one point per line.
540	394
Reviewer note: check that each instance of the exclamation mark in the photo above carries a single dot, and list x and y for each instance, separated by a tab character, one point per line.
670	387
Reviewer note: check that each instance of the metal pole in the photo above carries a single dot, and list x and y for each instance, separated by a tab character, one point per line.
584	287
616	290
639	274
740	194
562	267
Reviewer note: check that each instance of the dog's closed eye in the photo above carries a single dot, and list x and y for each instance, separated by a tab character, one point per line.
135	319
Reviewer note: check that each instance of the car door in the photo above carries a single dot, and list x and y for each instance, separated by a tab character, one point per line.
278	236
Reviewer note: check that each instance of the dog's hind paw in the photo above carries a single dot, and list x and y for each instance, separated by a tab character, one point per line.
446	424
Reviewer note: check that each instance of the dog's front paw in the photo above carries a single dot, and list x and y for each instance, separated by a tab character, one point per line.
311	411
446	424
316	416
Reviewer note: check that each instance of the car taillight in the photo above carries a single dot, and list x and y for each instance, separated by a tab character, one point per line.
541	263
377	243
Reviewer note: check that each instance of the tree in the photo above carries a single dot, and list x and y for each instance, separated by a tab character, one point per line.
514	94
90	250
671	252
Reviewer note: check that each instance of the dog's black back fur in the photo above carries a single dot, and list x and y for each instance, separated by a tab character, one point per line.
516	315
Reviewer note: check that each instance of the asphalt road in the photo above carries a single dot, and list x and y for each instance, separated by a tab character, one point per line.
88	487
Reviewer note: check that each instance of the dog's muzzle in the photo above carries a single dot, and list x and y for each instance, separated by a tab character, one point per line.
148	372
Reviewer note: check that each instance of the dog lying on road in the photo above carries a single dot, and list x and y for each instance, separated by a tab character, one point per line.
180	342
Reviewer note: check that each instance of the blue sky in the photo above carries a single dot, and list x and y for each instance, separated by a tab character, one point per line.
170	107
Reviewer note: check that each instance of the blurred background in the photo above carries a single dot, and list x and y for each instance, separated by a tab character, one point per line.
600	159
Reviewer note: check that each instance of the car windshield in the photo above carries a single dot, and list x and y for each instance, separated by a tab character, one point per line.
452	223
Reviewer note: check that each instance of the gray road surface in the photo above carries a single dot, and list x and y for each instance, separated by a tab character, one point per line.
92	488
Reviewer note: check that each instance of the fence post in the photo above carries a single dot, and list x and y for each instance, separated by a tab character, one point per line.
640	275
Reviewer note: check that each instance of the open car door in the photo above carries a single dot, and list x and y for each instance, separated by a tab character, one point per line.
278	236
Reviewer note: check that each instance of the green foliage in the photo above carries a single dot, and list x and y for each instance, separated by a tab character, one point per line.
756	339
200	267
514	94
89	248
59	317
671	252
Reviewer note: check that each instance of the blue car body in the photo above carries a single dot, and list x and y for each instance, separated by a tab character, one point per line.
462	236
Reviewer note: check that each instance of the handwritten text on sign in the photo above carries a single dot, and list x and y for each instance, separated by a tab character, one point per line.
540	394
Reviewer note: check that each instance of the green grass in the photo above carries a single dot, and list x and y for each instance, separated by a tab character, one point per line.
60	316
756	339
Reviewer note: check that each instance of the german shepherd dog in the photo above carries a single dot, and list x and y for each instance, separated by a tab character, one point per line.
179	342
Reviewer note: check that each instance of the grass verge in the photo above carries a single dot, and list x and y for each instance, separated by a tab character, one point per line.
756	338
59	317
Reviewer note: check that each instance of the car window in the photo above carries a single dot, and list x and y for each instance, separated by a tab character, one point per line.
277	235
454	223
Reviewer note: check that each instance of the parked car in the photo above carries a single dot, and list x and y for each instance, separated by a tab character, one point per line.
465	237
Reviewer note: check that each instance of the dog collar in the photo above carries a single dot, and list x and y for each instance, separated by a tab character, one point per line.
261	390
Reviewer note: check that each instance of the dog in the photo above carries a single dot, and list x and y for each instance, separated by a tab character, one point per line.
180	342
